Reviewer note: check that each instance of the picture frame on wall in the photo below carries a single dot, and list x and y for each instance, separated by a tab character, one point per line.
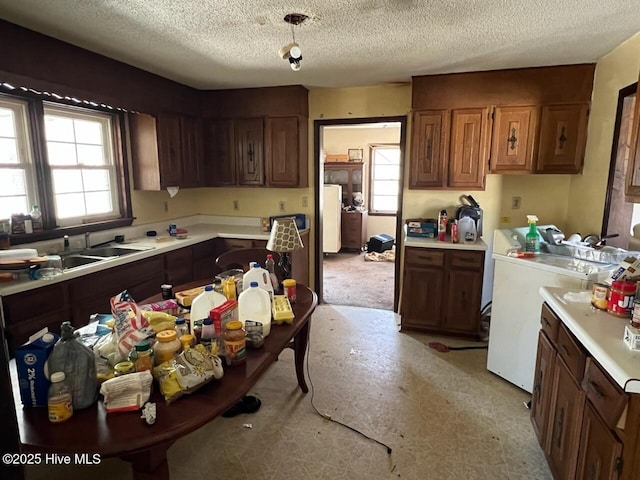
355	154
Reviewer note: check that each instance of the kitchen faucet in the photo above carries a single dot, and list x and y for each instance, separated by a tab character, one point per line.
66	243
87	240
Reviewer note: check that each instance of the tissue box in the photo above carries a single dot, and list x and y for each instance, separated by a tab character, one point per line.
422	228
632	337
30	360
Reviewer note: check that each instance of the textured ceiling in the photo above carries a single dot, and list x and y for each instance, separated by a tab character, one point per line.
213	44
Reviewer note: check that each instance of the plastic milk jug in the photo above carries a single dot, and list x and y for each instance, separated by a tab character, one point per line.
258	274
254	304
467	230
203	303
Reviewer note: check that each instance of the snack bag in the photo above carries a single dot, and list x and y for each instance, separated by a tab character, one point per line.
130	326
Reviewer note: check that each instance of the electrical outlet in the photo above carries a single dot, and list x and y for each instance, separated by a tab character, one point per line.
281	205
505	219
305	201
515	203
236	205
166	207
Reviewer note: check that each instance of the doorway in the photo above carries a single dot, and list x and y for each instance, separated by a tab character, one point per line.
363	160
619	215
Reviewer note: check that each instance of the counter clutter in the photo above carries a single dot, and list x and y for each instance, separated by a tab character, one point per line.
124	351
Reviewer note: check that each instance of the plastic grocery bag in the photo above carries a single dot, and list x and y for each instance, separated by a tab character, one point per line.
130	325
78	364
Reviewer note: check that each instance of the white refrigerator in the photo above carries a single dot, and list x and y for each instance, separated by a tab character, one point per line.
331	218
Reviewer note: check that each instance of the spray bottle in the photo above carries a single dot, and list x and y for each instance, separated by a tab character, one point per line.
532	240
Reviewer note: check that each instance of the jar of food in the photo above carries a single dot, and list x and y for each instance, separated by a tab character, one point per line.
600	296
188	341
621	298
289	286
142	356
235	343
167	291
168	346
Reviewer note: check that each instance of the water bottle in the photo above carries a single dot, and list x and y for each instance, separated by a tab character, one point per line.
270	265
208	335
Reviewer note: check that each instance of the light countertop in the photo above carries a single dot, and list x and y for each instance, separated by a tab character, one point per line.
423	242
200	228
601	334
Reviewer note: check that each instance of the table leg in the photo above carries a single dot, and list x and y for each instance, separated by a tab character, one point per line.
150	464
300	342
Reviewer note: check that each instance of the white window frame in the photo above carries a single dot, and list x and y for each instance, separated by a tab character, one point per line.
110	164
24	149
372	192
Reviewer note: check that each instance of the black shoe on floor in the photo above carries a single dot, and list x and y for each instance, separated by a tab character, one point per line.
248	404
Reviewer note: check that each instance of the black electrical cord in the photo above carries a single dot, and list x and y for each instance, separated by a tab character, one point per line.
326	415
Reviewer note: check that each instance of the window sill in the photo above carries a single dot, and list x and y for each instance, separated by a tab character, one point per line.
75	230
382	214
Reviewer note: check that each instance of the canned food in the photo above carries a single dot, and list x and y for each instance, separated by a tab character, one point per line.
621	298
599	296
173	230
289	286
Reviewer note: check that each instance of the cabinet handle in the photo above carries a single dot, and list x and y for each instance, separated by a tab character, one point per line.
557	431
512	139
250	158
428	150
562	139
596	389
546	322
565	350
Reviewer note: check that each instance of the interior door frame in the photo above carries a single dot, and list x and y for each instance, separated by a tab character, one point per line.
318	168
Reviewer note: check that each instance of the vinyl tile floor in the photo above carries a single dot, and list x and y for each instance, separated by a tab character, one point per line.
443	415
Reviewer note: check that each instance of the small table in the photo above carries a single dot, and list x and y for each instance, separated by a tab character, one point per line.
127	436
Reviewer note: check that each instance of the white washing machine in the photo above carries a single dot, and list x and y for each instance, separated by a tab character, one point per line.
516	303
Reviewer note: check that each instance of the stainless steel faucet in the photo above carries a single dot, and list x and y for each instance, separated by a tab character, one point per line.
65	243
87	240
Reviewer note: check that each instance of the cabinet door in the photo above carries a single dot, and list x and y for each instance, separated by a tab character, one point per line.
563	437
178	266
422	297
219	157
284	157
468	148
191	134
542	383
600	450
170	150
249	151
514	132
563	137
632	180
464	291
144	151
429	133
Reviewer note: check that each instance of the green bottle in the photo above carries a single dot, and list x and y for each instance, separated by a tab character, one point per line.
532	240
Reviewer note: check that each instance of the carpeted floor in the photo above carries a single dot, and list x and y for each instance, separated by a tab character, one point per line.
444	416
350	280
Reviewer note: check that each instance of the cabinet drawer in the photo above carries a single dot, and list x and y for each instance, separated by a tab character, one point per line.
571	352
604	394
425	257
473	260
550	323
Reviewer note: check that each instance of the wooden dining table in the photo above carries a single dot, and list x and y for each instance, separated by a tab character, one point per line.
125	435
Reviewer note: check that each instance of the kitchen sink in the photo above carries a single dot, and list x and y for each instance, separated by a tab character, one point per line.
111	251
73	261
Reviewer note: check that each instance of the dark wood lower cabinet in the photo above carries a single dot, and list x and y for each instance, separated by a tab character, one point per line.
442	290
577	422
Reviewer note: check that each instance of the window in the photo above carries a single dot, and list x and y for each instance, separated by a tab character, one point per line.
66	159
81	160
385	178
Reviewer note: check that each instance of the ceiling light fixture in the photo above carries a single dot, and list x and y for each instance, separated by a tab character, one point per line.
292	51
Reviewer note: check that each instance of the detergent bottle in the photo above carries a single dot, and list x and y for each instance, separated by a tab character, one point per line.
532	240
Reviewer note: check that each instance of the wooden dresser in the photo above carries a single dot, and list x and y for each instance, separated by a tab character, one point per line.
354	229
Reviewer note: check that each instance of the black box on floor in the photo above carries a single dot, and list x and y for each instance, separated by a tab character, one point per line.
379	243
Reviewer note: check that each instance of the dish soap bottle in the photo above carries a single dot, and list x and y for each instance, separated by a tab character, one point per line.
532	241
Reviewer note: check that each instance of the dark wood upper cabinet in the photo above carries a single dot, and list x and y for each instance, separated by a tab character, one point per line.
219	159
563	136
513	139
249	139
285	146
632	187
166	151
429	148
468	148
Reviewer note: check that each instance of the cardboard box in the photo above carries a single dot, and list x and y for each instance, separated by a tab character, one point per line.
632	337
331	158
30	361
185	297
628	268
420	227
